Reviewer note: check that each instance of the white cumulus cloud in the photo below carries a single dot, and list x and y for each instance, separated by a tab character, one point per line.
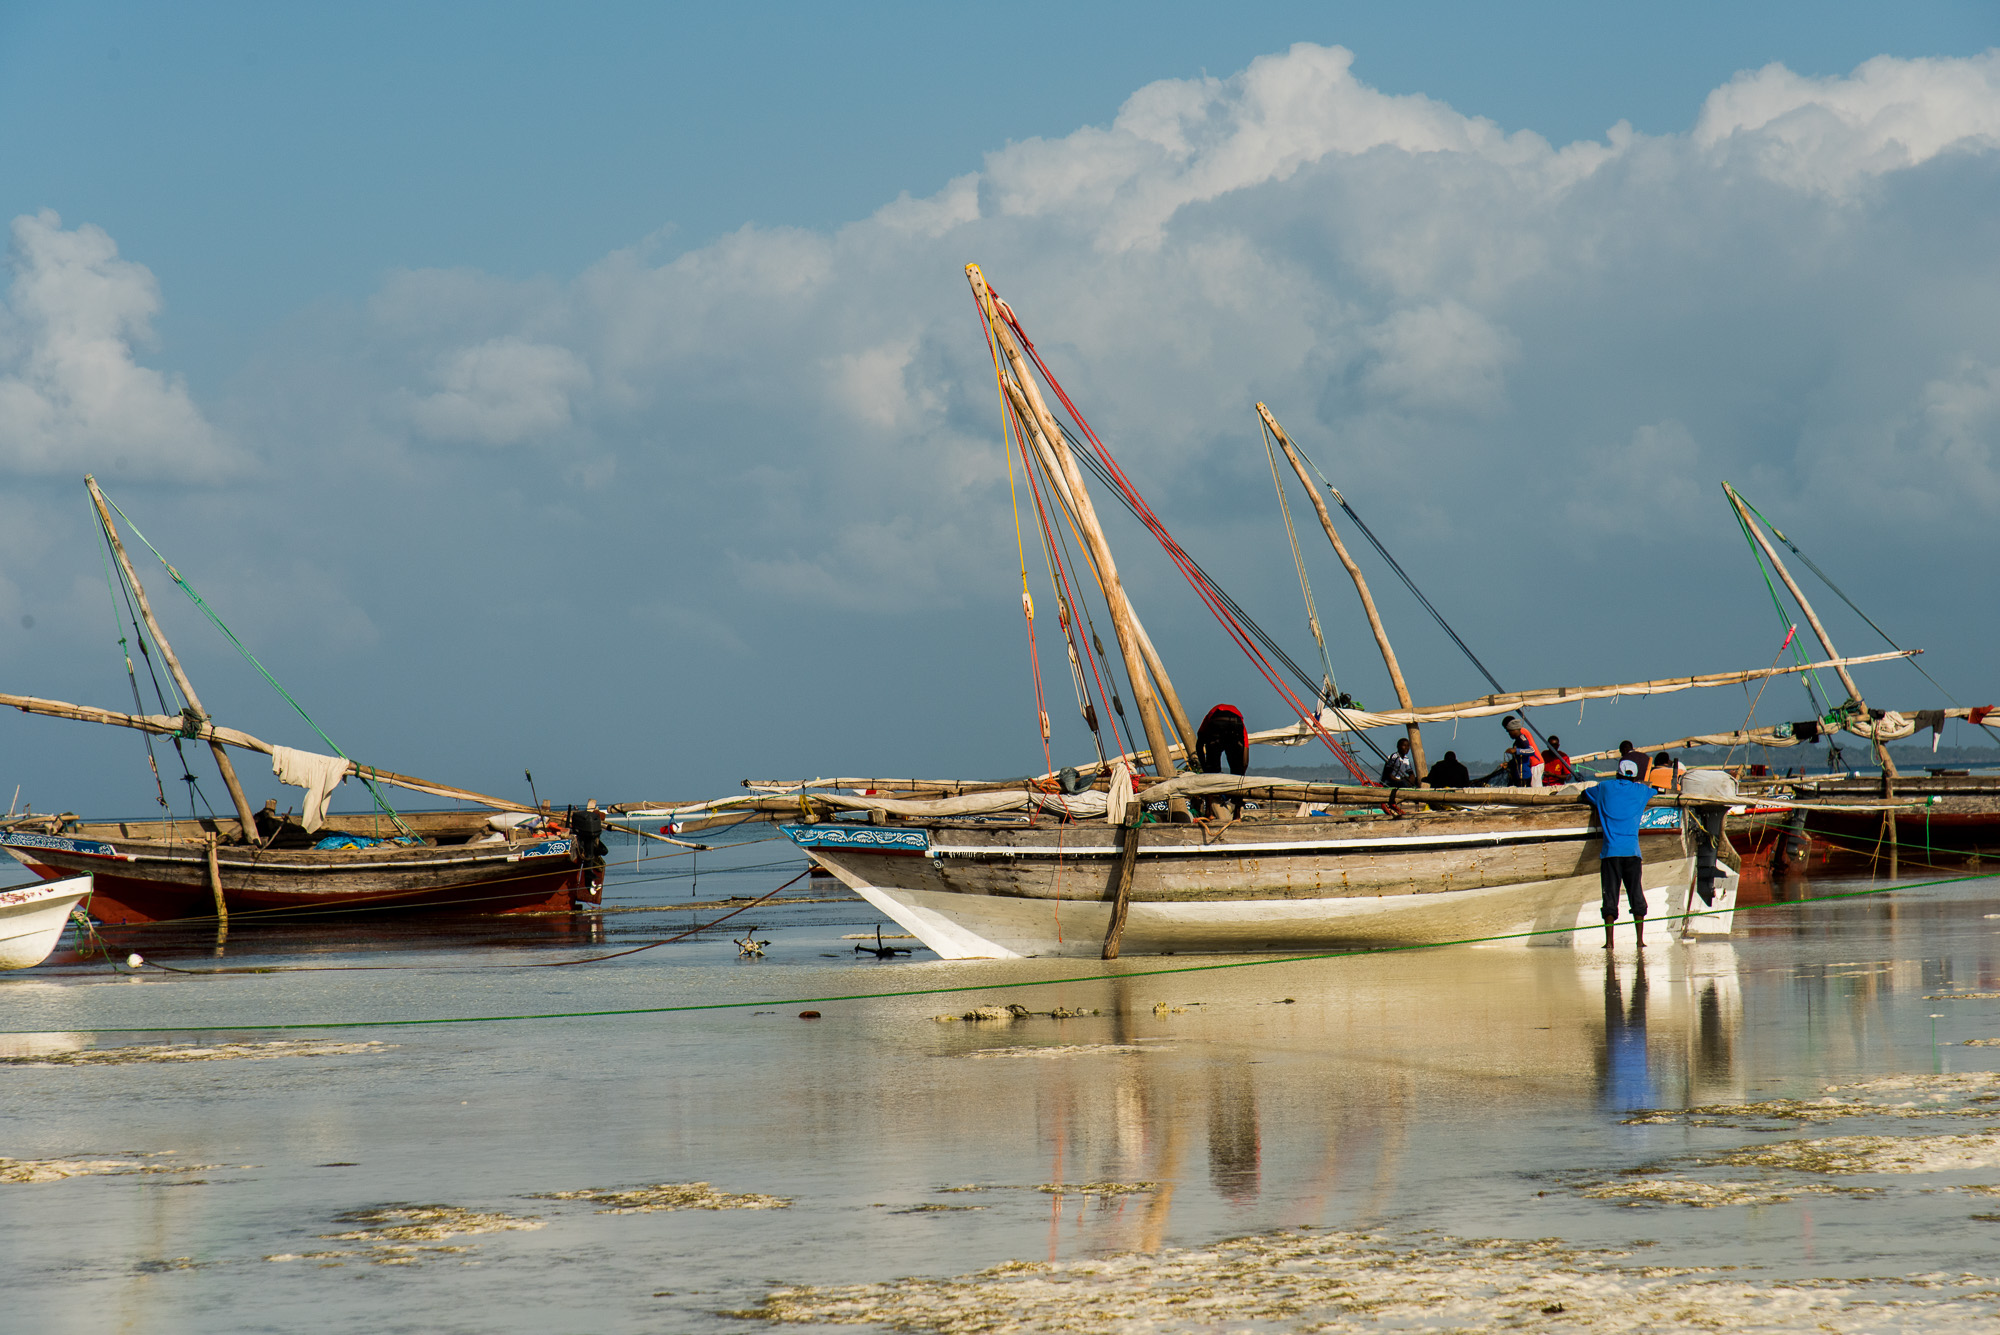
73	397
502	392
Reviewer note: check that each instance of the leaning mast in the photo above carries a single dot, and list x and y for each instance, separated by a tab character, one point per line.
1022	390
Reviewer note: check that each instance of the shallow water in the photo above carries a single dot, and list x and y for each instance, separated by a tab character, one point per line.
506	1174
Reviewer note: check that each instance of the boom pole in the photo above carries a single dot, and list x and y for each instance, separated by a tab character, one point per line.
1360	586
1812	618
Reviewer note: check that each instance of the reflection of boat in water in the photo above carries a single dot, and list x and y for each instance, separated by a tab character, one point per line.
1337	1094
32	918
507	858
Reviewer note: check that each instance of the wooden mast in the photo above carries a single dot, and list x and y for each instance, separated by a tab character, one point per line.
1053	467
243	813
1812	617
1360	587
1122	622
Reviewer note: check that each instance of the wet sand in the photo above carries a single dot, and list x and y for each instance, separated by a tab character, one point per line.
1743	1132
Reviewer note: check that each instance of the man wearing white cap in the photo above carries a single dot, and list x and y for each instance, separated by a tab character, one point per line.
1618	803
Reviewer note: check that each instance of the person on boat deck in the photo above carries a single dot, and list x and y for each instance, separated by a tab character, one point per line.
1400	769
1524	758
1556	769
1449	773
1619	803
1221	737
1665	773
1627	751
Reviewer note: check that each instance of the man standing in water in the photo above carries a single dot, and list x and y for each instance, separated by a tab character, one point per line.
1618	803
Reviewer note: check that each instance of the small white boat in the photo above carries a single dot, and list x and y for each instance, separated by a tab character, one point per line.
32	919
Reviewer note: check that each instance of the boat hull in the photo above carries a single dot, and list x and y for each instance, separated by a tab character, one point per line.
141	881
32	918
983	891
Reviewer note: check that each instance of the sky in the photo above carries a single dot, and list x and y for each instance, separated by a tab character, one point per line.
595	391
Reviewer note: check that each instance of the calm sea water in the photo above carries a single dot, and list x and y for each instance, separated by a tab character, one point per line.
1481	1092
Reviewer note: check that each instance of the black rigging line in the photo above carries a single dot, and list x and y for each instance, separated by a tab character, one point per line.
1840	594
1311	683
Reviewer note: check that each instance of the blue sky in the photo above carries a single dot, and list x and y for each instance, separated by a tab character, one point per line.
547	387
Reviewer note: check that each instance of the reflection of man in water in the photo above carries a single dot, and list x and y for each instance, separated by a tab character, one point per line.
1627	1080
1235	1150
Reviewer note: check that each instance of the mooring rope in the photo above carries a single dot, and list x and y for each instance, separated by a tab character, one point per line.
964	987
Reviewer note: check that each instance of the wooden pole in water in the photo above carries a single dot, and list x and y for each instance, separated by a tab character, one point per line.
1812	619
1093	534
1360	586
215	888
236	795
1121	895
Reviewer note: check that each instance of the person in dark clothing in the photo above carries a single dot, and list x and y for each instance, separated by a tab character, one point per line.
1619	803
1222	737
1400	769
1449	773
1626	751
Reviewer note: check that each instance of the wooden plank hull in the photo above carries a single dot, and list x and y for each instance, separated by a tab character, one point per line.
980	890
140	880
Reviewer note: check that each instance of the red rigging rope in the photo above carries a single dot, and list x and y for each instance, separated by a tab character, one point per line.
1059	578
1195	578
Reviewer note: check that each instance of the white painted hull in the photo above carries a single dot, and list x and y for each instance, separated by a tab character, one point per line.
1561	912
32	919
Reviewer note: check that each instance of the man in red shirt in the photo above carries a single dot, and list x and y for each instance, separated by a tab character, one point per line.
1556	769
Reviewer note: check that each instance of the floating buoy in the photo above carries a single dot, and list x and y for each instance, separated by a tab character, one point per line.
134	960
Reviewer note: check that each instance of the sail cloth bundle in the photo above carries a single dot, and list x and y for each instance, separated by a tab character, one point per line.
1890	726
1086	805
318	775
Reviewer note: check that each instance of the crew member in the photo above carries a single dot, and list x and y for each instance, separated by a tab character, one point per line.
1400	769
1221	737
1524	758
1449	773
1618	803
1556	769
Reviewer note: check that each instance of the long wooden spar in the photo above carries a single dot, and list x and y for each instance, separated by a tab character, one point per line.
1812	617
170	725
228	771
1487	705
1414	730
1058	478
1136	667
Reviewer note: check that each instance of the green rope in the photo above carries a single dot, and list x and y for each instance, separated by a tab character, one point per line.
251	659
1838	593
967	987
1784	617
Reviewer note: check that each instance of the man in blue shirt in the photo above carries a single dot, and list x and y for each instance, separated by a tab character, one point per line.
1619	803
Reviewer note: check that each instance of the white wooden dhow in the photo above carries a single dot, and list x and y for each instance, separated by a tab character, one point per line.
32	918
